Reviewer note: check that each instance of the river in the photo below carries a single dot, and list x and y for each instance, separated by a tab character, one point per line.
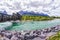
29	25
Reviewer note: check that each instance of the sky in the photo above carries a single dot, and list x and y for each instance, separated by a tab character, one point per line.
50	7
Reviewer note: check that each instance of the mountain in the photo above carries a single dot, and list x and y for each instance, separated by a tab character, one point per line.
3	12
31	13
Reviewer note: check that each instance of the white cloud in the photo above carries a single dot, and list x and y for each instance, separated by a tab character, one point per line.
50	7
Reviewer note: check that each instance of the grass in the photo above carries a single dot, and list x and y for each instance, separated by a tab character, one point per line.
36	18
55	37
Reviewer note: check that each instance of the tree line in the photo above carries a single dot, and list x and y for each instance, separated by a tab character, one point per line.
6	17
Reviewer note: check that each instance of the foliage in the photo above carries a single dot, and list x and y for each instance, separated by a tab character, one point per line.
36	18
55	37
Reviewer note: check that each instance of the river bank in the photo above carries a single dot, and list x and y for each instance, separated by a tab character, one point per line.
29	35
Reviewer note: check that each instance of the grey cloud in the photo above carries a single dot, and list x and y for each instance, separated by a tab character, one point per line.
5	4
37	4
8	5
0	4
34	4
16	6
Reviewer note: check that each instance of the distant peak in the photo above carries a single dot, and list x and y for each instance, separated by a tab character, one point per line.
32	13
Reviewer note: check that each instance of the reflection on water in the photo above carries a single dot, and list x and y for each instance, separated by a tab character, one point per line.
29	25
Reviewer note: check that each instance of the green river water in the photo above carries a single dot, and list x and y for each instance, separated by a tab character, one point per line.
31	25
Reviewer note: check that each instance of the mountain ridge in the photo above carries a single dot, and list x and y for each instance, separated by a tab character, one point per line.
31	13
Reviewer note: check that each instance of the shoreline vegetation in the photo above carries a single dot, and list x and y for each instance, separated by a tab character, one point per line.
38	18
6	17
55	36
17	16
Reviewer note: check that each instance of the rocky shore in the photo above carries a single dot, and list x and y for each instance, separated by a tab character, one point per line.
29	35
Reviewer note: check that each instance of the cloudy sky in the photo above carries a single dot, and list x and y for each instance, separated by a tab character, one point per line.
50	7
